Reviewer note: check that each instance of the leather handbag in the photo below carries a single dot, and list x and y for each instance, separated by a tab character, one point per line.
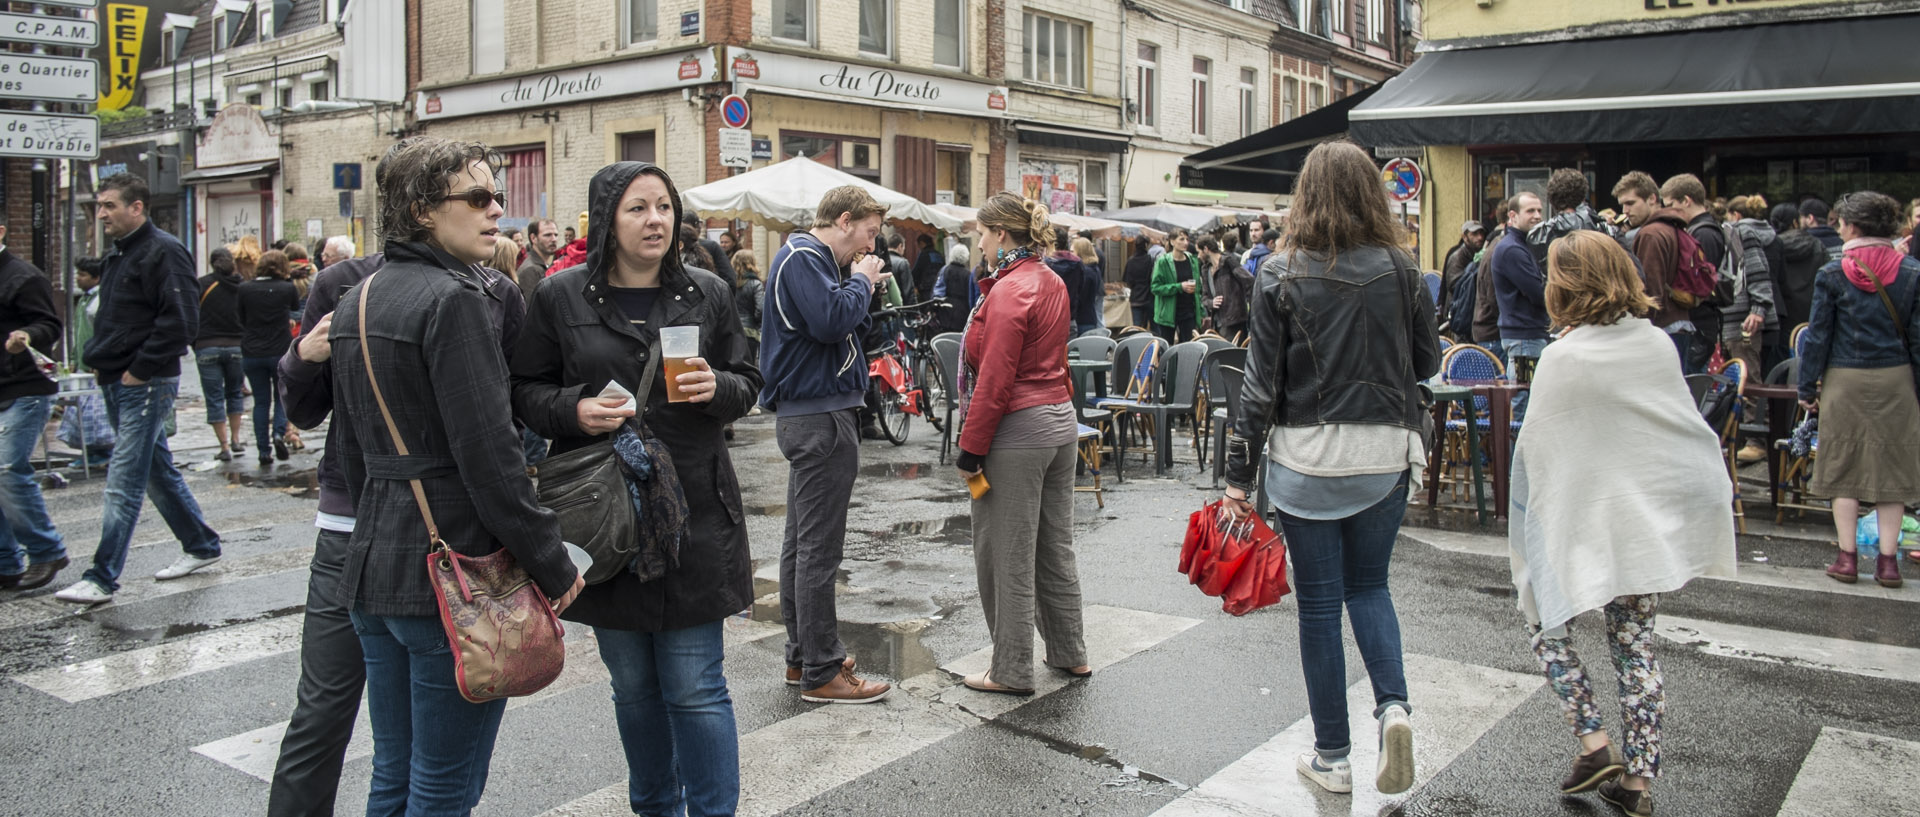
506	639
587	489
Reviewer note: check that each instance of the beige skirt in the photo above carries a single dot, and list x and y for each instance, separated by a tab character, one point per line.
1869	436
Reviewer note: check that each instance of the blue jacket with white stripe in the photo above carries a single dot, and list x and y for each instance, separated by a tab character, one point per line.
810	332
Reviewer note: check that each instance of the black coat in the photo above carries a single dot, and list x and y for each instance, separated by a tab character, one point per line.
576	340
26	305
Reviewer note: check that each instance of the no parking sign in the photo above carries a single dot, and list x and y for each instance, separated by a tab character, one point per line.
735	112
1403	179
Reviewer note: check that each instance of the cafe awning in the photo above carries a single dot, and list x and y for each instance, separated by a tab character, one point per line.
1266	162
1821	78
229	173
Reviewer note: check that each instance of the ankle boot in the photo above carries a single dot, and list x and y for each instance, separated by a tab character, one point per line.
1846	568
1886	570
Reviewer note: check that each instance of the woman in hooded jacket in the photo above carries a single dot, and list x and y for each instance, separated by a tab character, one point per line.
216	351
1751	329
596	324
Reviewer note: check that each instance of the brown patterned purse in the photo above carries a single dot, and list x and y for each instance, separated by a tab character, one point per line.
506	639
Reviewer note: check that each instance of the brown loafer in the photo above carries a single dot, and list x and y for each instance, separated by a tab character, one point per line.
1592	769
1634	803
793	673
846	688
983	683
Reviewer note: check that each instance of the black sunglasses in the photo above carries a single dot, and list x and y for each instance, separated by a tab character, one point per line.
478	197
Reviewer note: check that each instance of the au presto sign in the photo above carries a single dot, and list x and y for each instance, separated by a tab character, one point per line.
866	83
567	86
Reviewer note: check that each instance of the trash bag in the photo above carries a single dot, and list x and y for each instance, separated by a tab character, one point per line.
87	414
1866	535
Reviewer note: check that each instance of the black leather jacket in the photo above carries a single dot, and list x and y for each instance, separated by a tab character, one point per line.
1346	342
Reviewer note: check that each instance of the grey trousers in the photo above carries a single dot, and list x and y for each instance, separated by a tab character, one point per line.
332	673
823	457
1023	555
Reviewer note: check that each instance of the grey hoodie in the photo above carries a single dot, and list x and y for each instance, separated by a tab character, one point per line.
1757	293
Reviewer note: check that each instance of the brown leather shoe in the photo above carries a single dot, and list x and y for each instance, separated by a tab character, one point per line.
1634	803
793	673
1592	769
846	688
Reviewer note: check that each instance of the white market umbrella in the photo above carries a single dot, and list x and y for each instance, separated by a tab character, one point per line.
783	197
1104	229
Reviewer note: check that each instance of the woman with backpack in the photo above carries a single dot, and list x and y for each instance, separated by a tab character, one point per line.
749	299
216	351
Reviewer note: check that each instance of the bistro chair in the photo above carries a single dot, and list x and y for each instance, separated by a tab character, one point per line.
1797	341
1224	381
1207	417
1433	287
1462	363
1159	407
1733	375
946	347
1092	430
1136	364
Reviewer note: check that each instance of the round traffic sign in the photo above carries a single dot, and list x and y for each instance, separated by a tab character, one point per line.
1403	179
735	111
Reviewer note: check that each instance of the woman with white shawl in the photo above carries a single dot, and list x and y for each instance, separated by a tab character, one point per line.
1619	494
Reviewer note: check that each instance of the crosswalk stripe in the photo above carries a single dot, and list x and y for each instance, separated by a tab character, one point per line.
787	763
168	661
1453	705
1830	780
1792	649
35	610
255	751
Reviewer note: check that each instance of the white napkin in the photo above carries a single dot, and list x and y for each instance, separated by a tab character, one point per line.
614	389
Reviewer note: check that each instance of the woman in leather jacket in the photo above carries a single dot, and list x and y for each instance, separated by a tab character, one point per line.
1332	409
595	324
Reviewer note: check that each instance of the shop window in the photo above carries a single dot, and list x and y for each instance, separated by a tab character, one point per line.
1146	82
639	22
1202	71
1290	100
317	91
860	157
637	147
1247	106
876	27
949	34
489	36
1054	51
793	20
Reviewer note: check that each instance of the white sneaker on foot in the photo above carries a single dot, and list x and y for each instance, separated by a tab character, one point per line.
84	591
183	566
1396	752
1336	777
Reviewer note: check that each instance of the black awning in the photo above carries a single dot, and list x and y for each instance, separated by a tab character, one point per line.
1054	137
1824	78
1266	162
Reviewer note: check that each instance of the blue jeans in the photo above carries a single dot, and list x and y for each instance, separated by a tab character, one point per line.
431	747
1345	561
141	465
220	381
675	717
264	374
22	510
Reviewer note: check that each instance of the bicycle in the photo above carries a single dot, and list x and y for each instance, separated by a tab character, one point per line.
905	377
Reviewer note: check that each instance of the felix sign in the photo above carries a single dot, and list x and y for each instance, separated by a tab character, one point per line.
126	27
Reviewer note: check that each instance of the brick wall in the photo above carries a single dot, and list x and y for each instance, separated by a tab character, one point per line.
552	33
19	214
306	174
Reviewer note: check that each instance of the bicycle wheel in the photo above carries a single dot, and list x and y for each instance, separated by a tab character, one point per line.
933	394
893	417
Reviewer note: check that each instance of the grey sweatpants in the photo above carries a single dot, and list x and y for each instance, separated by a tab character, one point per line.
823	457
1023	555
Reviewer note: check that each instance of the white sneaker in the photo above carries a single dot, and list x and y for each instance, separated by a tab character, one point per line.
183	566
1336	777
84	591
1396	752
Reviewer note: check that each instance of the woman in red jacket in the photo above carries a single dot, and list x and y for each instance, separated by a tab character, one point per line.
1019	434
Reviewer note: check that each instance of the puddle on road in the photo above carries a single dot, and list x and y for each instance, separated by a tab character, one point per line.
958	528
1091	752
177	630
304	483
766	510
893	648
1497	592
897	470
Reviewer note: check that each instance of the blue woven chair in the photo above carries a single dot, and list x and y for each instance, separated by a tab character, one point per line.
1798	341
1466	362
1735	371
1433	286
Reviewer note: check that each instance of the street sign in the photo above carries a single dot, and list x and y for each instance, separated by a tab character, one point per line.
1398	153
72	4
52	79
34	28
1403	180
49	136
735	111
689	24
762	148
346	176
736	148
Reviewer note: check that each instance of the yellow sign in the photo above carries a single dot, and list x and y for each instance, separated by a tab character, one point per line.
126	26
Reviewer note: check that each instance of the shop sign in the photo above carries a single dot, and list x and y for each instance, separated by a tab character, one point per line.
870	84
567	86
126	29
35	28
237	136
54	79
49	136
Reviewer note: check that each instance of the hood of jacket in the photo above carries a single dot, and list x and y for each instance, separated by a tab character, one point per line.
1799	245
1755	228
603	203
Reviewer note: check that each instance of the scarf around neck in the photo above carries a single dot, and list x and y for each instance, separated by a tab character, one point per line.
1868	259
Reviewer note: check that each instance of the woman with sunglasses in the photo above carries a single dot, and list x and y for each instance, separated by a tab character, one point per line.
658	624
433	348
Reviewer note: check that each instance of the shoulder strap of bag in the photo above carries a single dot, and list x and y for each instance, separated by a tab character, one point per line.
210	289
1888	303
393	430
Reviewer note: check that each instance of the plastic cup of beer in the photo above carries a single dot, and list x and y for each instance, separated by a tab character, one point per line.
678	344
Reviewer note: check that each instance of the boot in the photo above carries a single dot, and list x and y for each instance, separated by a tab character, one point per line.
1846	568
1751	454
1886	570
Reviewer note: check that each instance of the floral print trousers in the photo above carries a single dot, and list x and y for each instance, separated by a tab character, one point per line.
1642	699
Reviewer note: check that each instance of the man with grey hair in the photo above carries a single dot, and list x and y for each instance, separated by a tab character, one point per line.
337	249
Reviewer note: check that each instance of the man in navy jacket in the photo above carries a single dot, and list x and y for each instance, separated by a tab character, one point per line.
1520	287
816	381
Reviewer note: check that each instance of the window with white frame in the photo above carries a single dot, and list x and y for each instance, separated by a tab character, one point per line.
1053	50
489	43
1377	20
1339	14
876	27
793	20
639	22
1316	97
1248	79
1146	83
1290	99
1093	187
949	34
1202	71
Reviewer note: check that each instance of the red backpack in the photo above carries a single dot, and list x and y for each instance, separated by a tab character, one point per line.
1694	276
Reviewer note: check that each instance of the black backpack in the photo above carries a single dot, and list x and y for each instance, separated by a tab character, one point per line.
1462	302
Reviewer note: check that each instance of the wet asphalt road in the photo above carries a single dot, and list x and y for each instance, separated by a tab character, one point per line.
1190	693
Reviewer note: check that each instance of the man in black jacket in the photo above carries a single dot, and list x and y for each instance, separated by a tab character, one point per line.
26	398
149	310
